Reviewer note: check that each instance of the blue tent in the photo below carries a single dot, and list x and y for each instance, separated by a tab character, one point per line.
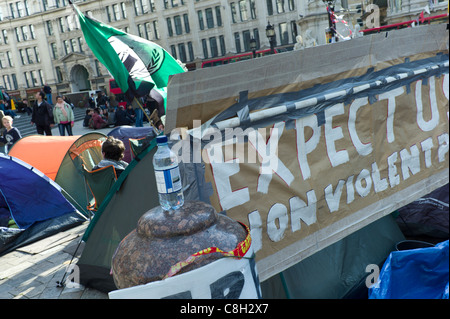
32	203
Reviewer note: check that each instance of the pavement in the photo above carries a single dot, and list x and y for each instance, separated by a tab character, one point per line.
25	127
32	271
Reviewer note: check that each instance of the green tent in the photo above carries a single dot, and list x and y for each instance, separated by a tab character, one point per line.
61	158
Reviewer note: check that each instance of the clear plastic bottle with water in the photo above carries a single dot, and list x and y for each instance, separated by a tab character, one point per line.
168	178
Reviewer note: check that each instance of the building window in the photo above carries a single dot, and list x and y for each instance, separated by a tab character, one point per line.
116	12
41	77
34	80
291	5
2	60
191	51
201	23
18	36
205	48
7	83
169	27
108	13
177	22
29	54
27	79
136	7
15	84
246	36
59	74
27	7
32	32
182	52
22	56
148	31
73	45
256	37
49	27
66	47
123	8
5	36
20	10
54	50
209	18
218	16
243	10
284	34
223	49
294	31
61	24
13	10
187	28
36	53
152	5
80	44
269	7
10	60
140	30
237	41
233	12
213	47
253	9
156	29
280	6
25	32
174	51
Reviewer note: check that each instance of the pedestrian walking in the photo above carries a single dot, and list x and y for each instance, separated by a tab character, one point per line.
42	115
63	116
48	92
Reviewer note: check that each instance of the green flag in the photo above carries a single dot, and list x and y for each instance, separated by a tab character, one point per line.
137	65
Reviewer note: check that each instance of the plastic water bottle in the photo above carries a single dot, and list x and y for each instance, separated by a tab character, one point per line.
168	178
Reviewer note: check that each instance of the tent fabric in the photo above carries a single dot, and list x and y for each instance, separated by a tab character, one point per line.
125	133
133	194
427	216
340	267
30	198
61	158
43	152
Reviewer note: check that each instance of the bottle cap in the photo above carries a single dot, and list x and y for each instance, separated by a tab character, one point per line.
161	139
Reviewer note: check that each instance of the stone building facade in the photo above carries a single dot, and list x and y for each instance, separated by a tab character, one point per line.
41	41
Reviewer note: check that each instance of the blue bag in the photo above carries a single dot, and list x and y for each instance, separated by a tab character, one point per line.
414	274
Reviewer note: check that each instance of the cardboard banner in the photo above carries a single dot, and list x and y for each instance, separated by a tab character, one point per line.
305	164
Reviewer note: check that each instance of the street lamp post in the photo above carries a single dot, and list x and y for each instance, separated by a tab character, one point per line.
253	46
270	33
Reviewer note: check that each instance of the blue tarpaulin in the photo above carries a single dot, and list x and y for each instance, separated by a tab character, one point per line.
414	274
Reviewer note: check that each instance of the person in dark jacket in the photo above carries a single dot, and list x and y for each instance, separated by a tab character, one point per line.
122	117
42	115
